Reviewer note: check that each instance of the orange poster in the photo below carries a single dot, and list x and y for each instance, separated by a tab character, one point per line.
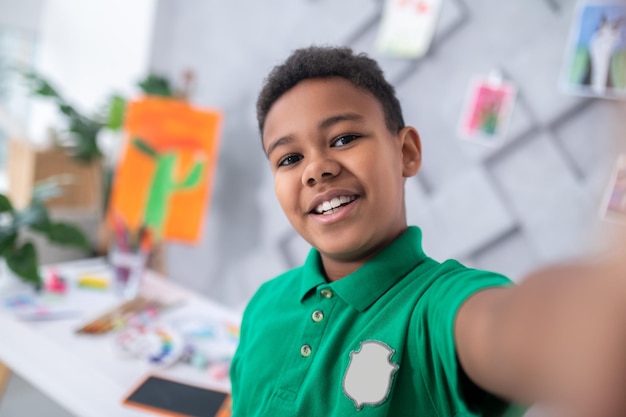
163	180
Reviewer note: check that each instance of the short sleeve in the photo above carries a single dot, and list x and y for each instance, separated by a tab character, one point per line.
450	389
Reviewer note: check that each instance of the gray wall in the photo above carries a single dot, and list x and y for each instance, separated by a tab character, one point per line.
21	15
532	201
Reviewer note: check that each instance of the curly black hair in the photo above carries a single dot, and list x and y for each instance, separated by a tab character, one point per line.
327	61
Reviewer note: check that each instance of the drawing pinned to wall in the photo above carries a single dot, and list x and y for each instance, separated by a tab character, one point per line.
407	27
614	203
164	178
487	110
595	63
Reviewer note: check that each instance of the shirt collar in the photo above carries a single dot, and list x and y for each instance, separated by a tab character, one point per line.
313	273
365	285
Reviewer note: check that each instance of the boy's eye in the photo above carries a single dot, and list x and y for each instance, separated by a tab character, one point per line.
344	140
289	159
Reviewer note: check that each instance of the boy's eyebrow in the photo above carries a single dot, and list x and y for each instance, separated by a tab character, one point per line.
328	122
323	125
282	141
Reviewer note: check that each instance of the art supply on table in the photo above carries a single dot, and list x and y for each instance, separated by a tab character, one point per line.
220	370
36	307
209	344
165	396
55	283
93	282
128	257
128	271
159	345
118	316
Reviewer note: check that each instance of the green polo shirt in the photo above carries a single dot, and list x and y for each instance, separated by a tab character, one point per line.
378	342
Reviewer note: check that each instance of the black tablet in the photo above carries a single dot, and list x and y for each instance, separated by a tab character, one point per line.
177	399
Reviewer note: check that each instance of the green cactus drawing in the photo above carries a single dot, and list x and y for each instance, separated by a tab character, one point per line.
164	185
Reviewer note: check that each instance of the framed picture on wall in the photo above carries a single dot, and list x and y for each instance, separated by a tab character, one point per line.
407	27
595	58
163	180
614	202
488	106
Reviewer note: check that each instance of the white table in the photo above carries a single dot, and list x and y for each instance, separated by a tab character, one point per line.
83	373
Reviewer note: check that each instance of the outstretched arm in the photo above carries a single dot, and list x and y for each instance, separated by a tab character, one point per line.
557	338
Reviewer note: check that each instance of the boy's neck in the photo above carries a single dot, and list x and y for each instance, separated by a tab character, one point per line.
337	268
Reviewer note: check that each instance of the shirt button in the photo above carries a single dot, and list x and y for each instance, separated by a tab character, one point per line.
326	293
305	350
317	316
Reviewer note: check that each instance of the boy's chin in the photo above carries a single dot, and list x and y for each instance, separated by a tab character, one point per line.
349	246
344	251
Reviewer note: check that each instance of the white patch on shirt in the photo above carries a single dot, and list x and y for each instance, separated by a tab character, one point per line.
367	380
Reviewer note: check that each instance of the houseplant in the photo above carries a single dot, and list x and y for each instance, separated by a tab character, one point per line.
81	138
16	250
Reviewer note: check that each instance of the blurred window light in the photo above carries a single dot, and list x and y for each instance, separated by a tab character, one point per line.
17	50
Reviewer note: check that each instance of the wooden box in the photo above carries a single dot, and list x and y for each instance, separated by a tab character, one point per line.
28	165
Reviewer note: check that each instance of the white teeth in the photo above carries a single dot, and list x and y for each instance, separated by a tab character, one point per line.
328	207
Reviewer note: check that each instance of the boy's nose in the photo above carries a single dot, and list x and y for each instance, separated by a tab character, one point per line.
320	169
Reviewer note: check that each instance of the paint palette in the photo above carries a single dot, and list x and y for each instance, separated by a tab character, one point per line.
160	345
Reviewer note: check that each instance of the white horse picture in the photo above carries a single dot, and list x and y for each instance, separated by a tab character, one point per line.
602	46
596	64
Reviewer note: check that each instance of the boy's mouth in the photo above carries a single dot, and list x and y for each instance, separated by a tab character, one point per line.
331	206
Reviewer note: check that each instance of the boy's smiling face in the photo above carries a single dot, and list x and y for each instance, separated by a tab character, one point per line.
338	170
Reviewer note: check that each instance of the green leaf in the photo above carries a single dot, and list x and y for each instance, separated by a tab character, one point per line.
39	86
193	178
46	90
67	110
5	204
23	262
144	147
68	235
117	110
156	85
86	151
107	186
50	187
86	131
8	236
34	216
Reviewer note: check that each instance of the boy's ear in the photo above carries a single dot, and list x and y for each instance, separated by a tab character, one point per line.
411	151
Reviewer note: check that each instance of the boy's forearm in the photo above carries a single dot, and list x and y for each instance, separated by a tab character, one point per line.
560	337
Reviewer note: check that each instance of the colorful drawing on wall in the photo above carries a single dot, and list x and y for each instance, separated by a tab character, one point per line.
407	27
595	63
614	203
164	178
488	107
